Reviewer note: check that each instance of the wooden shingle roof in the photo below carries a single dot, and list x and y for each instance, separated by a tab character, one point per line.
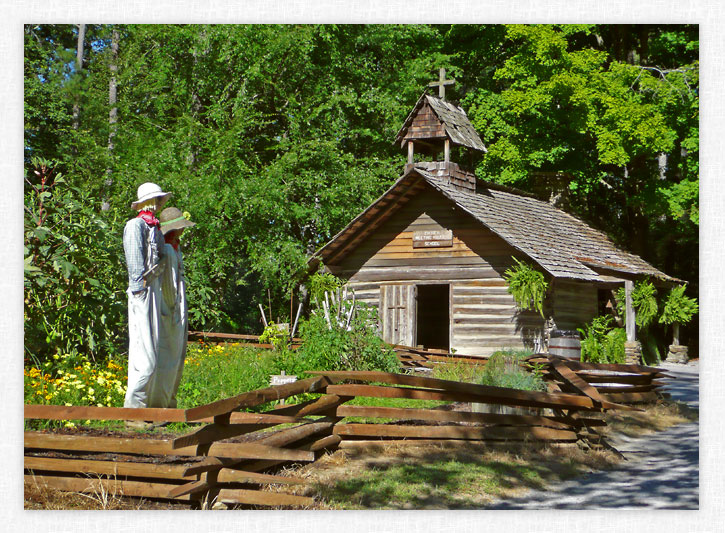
560	243
453	118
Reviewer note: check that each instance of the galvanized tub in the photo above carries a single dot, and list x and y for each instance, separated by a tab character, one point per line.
565	343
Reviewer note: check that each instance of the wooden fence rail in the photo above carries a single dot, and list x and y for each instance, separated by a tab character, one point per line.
228	453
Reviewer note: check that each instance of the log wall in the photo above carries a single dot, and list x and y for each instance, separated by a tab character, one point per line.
573	303
386	268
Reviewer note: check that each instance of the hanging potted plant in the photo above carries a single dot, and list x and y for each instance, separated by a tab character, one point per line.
528	287
678	309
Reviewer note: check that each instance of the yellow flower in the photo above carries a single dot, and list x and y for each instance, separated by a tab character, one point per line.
48	396
70	425
56	357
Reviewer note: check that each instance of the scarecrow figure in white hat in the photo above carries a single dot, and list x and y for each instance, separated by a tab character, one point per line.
143	244
174	325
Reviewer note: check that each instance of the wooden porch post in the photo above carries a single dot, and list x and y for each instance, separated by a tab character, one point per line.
410	152
630	314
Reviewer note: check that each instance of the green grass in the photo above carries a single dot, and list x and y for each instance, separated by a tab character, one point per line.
214	372
433	479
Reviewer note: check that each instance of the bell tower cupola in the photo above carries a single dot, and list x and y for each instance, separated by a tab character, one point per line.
434	127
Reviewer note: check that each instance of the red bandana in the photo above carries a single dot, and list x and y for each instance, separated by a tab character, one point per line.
171	239
149	218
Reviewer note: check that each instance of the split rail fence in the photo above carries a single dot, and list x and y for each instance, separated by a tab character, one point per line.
619	383
229	456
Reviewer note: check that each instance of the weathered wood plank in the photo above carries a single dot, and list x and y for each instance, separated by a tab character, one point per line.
109	468
627	388
634	369
257	497
498	393
215	432
376	391
329	442
38	440
568	375
448	416
633	379
193	487
456	432
114	487
257	397
418	273
325	404
634	397
228	475
292	437
64	412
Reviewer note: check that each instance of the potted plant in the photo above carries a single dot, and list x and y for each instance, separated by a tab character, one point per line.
678	309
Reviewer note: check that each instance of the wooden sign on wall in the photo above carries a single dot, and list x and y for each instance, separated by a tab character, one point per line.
433	238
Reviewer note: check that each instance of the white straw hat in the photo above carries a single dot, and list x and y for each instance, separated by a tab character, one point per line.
147	191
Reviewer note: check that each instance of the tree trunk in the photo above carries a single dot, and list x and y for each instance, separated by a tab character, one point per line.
112	114
79	68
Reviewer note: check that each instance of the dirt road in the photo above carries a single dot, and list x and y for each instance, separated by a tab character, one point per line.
661	471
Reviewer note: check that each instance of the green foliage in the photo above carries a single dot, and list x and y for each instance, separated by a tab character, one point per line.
601	342
212	373
276	336
611	110
74	275
504	369
650	351
678	308
321	282
457	371
274	136
73	379
644	302
336	348
527	286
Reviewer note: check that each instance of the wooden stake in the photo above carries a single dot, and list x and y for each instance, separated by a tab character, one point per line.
630	315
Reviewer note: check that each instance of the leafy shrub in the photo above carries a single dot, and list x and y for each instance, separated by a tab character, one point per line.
321	282
601	343
457	371
527	286
644	302
650	351
215	372
678	308
74	278
337	348
276	336
504	369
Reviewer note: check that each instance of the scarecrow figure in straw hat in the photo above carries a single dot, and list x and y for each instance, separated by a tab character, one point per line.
174	326
143	244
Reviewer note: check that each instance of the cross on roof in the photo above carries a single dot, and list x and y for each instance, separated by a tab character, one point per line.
441	84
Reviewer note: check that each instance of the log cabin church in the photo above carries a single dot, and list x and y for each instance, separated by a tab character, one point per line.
431	252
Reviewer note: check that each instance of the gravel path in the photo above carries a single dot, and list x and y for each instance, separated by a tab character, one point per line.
662	470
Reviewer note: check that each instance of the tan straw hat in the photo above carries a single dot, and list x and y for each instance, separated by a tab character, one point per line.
172	218
147	191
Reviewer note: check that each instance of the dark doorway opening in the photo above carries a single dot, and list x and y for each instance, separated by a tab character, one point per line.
433	320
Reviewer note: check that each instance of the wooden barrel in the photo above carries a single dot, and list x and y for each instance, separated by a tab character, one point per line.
565	344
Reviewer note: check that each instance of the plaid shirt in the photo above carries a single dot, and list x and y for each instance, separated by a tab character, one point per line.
143	246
